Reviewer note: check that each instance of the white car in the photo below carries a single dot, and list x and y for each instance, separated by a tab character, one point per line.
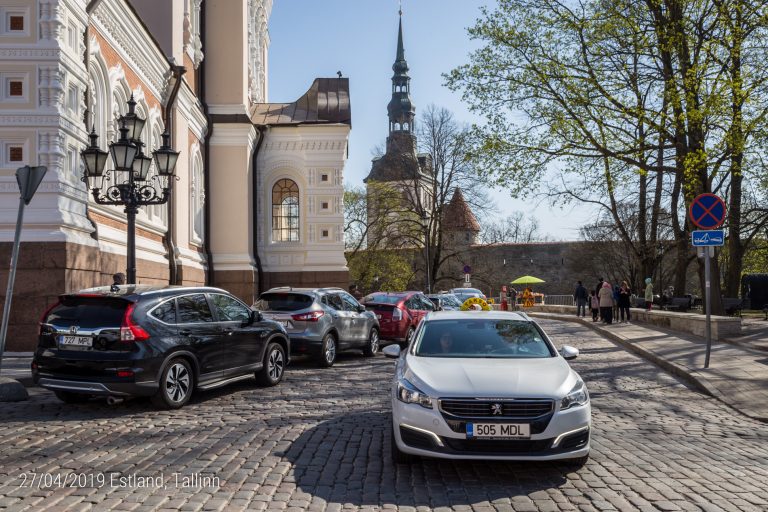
487	385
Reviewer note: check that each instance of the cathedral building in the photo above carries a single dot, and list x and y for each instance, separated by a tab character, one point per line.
258	197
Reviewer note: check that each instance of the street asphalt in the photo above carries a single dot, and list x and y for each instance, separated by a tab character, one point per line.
320	441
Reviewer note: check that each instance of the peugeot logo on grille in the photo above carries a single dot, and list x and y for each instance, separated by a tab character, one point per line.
74	329
496	409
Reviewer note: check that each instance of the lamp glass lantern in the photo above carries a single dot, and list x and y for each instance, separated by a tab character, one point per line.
133	122
141	165
165	158
93	157
123	151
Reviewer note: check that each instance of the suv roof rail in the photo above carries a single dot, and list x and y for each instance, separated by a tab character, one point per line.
281	288
331	288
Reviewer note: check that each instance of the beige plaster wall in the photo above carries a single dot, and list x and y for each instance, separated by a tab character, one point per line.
226	54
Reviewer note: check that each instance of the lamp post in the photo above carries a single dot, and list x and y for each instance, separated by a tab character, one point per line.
661	272
130	186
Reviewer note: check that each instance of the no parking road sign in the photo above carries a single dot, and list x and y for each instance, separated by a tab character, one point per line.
707	211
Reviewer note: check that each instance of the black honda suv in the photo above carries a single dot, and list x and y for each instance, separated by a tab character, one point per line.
158	342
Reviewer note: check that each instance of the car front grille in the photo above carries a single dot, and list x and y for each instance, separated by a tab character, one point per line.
499	447
497	409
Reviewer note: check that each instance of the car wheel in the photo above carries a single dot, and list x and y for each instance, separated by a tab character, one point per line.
69	397
408	337
176	384
328	351
398	457
373	344
274	366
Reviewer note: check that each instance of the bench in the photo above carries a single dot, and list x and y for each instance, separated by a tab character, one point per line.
732	306
681	304
638	302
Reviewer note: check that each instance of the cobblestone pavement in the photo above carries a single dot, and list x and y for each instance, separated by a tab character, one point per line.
320	441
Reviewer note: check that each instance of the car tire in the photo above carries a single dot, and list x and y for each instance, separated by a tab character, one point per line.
398	457
68	397
274	366
328	351
372	345
176	384
408	337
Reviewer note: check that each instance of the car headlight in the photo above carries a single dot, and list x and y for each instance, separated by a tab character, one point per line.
410	394
578	395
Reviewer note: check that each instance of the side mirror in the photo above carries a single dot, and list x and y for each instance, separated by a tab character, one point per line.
254	317
360	308
392	351
569	352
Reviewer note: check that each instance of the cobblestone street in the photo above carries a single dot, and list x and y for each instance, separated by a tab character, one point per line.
320	441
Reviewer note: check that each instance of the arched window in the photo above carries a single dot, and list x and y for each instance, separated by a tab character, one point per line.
285	211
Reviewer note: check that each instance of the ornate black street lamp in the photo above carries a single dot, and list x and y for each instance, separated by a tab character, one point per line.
130	187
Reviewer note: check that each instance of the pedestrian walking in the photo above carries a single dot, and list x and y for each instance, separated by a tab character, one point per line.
648	293
580	298
624	294
616	289
594	305
606	303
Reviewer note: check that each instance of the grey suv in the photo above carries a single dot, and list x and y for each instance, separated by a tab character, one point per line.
321	321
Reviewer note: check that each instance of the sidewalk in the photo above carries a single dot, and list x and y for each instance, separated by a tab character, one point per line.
16	365
736	376
754	334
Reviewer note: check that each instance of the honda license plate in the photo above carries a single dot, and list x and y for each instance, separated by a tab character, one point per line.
77	341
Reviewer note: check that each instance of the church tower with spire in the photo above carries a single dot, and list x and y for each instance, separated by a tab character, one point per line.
401	168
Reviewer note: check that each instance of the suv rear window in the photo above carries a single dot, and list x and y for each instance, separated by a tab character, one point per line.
277	301
383	298
87	312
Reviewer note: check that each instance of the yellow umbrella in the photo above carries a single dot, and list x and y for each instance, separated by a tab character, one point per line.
528	280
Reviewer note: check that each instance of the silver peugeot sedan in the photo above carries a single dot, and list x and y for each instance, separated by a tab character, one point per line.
487	385
321	321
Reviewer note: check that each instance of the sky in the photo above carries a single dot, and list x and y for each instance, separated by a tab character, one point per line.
317	38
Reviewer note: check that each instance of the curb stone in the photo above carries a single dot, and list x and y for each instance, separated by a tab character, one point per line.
682	372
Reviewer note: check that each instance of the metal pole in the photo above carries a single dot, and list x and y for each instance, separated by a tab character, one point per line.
429	281
11	278
707	304
130	209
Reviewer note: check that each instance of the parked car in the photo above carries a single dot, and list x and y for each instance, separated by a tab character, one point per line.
445	301
161	342
321	321
487	385
399	313
467	293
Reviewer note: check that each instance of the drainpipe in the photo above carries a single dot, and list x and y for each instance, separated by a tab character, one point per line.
261	129
209	277
169	243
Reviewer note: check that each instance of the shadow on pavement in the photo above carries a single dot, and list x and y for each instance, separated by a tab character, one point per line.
347	460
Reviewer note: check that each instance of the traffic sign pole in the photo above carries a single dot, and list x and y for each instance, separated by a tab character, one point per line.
707	304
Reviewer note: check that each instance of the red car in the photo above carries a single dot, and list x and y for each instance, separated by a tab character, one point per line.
399	313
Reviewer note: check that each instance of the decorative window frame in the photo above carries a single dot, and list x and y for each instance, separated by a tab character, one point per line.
5	21
196	196
271	217
5	86
5	157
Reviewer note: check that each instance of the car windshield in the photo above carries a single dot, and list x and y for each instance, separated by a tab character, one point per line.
278	301
482	338
467	291
383	298
452	300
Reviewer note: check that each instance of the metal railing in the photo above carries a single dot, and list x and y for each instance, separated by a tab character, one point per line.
559	300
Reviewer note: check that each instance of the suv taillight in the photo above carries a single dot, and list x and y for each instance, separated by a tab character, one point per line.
131	331
397	314
312	316
45	315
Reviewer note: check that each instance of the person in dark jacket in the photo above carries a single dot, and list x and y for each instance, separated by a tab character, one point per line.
597	294
624	294
580	298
